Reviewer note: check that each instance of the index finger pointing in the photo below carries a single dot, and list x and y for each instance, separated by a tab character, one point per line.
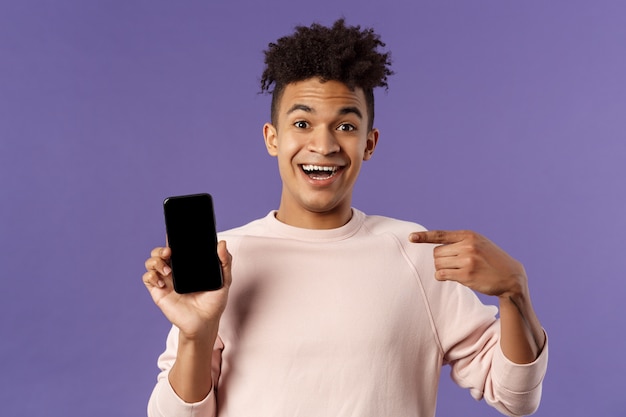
438	236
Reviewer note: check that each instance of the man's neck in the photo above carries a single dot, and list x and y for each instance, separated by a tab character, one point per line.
312	220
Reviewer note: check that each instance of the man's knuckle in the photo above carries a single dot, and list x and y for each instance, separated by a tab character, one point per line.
149	263
471	250
148	276
470	264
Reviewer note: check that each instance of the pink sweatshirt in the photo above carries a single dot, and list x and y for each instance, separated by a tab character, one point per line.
347	322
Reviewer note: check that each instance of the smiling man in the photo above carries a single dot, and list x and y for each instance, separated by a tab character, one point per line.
327	311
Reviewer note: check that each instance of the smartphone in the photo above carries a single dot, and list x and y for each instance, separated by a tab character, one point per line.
192	237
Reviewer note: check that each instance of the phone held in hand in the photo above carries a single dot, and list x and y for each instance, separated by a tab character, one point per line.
192	237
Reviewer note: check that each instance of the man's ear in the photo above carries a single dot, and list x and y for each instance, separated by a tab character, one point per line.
370	145
271	138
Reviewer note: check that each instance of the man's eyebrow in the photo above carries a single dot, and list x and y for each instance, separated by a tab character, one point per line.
354	110
342	111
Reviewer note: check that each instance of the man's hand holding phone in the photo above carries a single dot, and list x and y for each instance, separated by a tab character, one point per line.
192	313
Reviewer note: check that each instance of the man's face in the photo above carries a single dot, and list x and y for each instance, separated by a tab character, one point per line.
320	139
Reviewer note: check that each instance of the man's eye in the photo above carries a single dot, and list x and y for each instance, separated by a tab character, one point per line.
301	124
346	127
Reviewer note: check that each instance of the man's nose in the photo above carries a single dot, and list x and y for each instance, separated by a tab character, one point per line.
324	142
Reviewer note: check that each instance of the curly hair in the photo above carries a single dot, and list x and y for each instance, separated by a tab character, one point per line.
339	53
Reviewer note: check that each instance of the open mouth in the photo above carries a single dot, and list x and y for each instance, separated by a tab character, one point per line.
320	172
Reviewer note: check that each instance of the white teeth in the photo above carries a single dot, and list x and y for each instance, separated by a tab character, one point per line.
319	168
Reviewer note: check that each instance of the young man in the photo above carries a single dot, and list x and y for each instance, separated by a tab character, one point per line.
326	311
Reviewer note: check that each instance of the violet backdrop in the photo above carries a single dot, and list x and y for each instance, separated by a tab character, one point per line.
506	117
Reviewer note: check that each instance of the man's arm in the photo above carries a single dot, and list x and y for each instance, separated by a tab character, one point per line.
164	401
522	338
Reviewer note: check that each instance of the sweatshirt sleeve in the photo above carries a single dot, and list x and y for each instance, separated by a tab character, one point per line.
164	402
515	389
469	333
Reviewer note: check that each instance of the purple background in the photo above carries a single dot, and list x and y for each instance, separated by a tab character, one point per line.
507	117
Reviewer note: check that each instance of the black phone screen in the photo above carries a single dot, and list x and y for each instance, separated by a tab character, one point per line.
191	235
